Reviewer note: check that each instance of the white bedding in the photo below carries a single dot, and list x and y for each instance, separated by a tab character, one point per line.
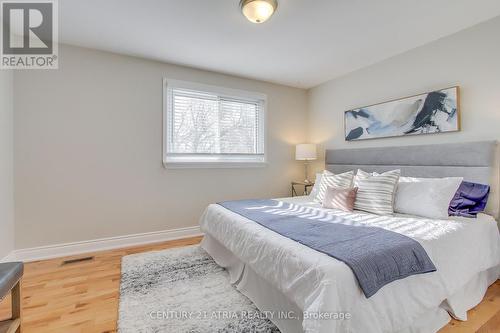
317	283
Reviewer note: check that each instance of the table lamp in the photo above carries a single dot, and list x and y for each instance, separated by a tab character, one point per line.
305	152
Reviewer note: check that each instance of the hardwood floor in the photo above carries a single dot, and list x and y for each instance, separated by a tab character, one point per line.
82	297
79	297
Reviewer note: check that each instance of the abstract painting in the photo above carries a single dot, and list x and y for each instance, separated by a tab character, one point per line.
433	112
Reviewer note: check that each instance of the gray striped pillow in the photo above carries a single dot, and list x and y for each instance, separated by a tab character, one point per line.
376	191
328	179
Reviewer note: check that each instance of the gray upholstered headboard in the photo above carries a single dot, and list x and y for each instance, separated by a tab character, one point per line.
475	161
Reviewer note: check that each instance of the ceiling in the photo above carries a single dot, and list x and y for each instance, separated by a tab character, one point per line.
305	43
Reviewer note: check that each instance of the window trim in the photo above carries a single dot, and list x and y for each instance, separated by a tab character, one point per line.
213	160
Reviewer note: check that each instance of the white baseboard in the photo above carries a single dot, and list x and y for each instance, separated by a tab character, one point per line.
9	257
69	249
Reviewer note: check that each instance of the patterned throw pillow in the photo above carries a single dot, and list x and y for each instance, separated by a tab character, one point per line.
340	198
314	192
376	191
328	179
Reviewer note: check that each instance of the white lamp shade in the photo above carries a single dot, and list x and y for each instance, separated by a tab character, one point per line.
305	152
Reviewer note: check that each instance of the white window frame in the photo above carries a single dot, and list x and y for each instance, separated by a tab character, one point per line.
213	161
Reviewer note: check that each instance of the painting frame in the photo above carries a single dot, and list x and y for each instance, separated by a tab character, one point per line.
457	112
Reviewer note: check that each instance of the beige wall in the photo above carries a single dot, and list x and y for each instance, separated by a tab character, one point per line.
470	59
88	143
6	164
88	136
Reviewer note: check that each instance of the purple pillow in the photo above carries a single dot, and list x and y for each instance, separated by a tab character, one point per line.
470	199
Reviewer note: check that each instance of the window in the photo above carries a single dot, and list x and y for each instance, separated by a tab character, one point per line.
206	126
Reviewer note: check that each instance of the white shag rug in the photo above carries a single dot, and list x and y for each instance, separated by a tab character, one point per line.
183	291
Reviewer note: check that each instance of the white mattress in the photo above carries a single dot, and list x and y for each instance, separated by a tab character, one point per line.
317	283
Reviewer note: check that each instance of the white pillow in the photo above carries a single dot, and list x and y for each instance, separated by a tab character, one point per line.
427	197
328	179
361	174
376	191
315	189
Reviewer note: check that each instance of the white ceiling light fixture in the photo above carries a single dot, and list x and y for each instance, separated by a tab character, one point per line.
258	11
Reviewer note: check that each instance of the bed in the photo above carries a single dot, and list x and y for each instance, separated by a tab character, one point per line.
303	290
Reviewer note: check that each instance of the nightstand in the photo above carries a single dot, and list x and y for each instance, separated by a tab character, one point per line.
307	187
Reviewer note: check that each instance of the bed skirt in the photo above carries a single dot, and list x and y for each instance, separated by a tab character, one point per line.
271	300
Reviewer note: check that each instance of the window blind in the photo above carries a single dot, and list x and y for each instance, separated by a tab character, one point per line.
204	125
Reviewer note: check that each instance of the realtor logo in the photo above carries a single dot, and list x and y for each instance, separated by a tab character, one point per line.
29	34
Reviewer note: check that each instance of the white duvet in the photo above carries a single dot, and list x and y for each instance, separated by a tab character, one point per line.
317	283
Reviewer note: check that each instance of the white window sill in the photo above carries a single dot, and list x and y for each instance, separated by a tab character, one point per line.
212	165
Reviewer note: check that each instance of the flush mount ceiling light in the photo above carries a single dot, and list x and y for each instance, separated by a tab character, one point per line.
258	11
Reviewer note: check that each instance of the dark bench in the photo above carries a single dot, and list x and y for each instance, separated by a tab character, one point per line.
11	274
